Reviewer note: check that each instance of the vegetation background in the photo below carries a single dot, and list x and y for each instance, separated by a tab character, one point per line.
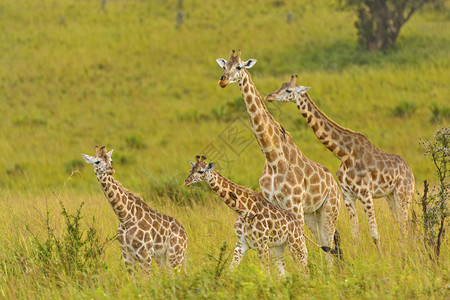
140	77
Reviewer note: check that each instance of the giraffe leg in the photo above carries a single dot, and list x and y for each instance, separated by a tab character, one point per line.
176	254
350	203
146	264
327	228
161	261
391	200
175	259
315	224
129	261
278	257
297	247
312	222
239	252
402	201
144	256
369	209
264	255
158	260
296	241
175	262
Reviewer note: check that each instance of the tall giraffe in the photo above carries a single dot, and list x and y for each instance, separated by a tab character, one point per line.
143	233
289	179
261	225
366	172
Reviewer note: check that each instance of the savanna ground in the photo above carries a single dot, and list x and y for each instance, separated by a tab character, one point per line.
140	77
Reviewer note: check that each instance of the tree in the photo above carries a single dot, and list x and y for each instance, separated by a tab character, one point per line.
379	21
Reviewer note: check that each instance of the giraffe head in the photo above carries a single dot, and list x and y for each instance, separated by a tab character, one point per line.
234	68
289	91
200	171
101	161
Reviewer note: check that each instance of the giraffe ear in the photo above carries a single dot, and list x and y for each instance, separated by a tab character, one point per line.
249	63
89	159
222	62
210	166
192	164
302	89
110	153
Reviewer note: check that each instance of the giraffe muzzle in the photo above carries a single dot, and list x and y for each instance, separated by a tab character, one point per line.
187	183
223	82
269	98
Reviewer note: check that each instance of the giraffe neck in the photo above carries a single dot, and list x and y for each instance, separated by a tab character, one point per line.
117	196
336	138
266	129
236	197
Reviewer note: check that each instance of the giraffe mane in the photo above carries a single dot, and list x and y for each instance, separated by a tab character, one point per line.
333	122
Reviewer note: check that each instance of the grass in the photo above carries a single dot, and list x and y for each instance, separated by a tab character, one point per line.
403	270
73	75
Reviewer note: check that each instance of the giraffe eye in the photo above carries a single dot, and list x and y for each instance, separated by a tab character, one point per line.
97	162
200	172
288	91
239	67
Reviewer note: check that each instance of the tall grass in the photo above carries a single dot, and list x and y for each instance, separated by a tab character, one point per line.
402	270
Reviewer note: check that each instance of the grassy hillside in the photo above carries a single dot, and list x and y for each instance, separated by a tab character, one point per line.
74	76
131	77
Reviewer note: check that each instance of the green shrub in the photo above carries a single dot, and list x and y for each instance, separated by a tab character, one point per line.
434	202
74	253
438	113
220	112
405	109
135	142
228	110
221	262
17	169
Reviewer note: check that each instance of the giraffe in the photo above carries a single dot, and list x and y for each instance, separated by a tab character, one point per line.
366	172
143	233
289	179
260	226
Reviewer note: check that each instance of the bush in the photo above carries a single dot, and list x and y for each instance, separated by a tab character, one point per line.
435	202
135	142
405	109
439	114
228	110
76	254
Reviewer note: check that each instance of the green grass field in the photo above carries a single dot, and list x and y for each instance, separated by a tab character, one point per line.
73	75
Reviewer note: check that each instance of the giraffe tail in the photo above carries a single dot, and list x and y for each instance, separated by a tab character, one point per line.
324	248
336	251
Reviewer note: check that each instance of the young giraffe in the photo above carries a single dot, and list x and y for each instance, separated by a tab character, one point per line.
261	225
289	179
143	233
366	172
